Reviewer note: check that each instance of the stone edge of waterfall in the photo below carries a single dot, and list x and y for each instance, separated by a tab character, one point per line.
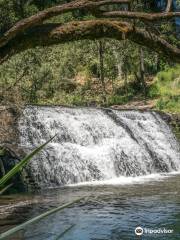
172	119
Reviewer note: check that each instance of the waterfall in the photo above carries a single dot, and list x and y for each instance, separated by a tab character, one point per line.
96	144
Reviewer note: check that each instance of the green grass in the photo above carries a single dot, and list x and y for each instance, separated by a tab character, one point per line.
118	100
166	89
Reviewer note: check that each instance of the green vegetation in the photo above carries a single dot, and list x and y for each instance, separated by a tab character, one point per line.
167	90
69	74
102	72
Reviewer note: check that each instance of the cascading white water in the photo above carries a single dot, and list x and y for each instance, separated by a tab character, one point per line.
96	144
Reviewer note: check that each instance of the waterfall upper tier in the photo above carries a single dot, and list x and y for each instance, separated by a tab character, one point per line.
96	144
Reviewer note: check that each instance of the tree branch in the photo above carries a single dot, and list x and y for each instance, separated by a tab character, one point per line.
89	5
140	15
49	34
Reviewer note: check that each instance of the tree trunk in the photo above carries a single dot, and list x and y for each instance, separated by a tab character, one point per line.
142	73
101	62
169	5
126	82
157	63
119	63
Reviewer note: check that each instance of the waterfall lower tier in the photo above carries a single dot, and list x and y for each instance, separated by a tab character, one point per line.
96	144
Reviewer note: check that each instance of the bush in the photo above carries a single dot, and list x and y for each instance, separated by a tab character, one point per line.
169	104
153	91
118	100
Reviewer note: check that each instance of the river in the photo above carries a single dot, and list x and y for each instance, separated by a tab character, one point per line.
111	211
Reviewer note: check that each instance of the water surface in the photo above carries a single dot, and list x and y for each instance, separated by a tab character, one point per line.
110	212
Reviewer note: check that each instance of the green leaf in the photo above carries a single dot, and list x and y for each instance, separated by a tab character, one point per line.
22	163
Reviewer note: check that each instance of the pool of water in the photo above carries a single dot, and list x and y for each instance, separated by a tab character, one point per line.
111	210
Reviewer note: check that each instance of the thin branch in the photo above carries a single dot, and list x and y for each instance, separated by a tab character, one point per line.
141	15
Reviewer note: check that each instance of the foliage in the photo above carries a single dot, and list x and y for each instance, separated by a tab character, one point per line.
69	74
69	71
167	89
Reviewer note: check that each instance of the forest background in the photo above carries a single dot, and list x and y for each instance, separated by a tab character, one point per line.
103	72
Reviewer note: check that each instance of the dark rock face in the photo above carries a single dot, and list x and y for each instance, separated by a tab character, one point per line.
8	125
8	136
8	160
10	154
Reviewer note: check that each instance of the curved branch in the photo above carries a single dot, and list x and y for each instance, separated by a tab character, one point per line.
141	15
49	34
89	5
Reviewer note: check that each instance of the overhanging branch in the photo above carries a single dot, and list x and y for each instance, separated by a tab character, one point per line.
23	25
30	32
140	15
49	34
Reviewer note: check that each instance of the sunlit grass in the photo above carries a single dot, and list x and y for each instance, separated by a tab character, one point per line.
167	89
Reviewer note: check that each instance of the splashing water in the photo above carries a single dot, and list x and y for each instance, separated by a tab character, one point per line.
96	144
